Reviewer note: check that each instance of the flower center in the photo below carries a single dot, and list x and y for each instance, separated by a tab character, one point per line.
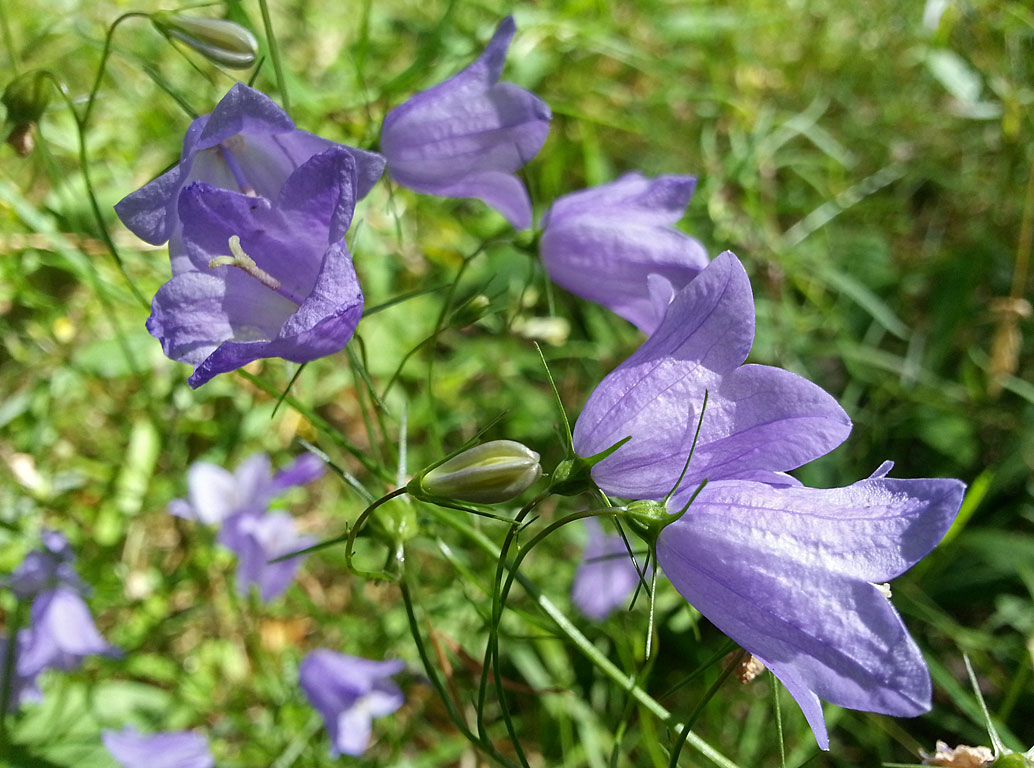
244	262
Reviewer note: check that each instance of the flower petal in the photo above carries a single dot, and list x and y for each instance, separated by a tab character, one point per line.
785	573
169	749
212	492
606	576
321	194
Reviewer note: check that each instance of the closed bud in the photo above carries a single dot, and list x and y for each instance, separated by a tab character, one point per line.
218	40
485	474
25	97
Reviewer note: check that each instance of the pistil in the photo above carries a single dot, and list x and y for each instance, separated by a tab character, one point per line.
244	262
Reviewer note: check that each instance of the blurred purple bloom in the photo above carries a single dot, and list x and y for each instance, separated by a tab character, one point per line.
61	632
214	493
257	538
247	144
169	749
255	278
789	574
467	136
616	245
759	419
606	576
349	692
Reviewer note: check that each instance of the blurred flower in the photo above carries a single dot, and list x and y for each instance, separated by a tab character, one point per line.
247	144
606	576
255	278
759	420
218	40
215	494
169	749
349	692
61	632
490	473
616	245
257	538
467	136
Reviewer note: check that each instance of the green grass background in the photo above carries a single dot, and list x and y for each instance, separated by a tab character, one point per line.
869	162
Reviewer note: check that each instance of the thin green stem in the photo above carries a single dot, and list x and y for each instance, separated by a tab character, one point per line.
708	695
17	618
360	523
624	681
274	52
5	29
436	683
105	54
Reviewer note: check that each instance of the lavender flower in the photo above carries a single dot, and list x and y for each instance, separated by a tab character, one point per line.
465	137
247	144
61	632
257	538
254	278
789	573
238	502
349	692
616	245
214	493
606	576
786	571
170	749
759	420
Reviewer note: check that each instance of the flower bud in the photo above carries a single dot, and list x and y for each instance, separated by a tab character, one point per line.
218	40
485	474
25	97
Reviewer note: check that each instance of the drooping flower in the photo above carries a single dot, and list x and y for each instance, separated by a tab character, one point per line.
214	493
168	749
238	502
616	245
786	571
255	278
467	136
257	538
606	576
790	574
758	420
349	692
61	631
247	144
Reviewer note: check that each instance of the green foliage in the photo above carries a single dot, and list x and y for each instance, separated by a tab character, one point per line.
866	162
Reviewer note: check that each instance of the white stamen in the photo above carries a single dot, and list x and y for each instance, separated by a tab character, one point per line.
241	260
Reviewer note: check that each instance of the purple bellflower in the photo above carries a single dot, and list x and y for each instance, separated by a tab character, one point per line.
247	144
349	692
467	136
257	538
786	571
238	502
616	245
214	493
758	420
789	573
169	749
61	632
255	278
606	576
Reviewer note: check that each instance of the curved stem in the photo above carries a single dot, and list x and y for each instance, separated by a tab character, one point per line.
88	109
360	523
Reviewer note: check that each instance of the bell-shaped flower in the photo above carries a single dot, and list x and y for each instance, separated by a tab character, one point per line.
45	568
606	577
790	574
255	278
257	538
616	245
758	419
61	633
247	144
467	136
349	692
167	749
214	493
